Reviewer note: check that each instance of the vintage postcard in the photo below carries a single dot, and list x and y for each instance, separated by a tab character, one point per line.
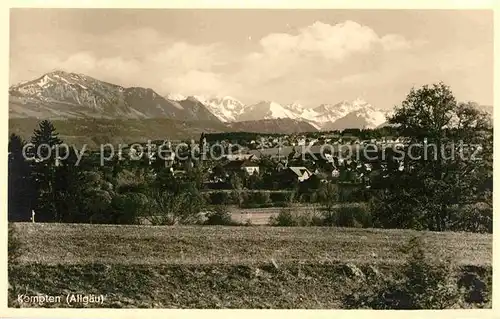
258	158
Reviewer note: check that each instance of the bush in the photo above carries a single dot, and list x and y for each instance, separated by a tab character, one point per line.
220	216
353	216
352	193
311	217
219	198
347	215
424	283
328	194
281	198
167	208
476	218
97	204
256	199
260	198
236	198
126	208
312	198
206	197
284	218
340	216
289	217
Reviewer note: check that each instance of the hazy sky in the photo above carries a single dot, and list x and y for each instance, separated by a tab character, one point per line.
306	56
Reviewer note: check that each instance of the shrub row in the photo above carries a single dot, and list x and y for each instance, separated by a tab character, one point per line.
262	198
249	199
344	215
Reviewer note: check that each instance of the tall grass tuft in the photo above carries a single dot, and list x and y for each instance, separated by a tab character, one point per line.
423	283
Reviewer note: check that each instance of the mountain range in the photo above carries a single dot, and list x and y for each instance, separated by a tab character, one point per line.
63	95
345	114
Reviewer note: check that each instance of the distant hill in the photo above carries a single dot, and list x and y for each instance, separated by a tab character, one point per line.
281	125
94	132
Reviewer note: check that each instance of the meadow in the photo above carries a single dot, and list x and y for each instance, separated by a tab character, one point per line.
219	266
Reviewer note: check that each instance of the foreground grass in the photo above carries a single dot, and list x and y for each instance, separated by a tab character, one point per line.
301	285
219	267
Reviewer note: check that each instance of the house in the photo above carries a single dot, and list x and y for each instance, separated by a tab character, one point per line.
247	166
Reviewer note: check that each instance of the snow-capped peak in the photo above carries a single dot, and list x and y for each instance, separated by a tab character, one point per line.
364	117
201	98
295	107
227	101
277	110
266	110
175	97
229	109
37	88
359	102
327	114
225	108
44	80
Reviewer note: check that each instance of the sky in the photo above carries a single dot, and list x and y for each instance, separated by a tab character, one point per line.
305	56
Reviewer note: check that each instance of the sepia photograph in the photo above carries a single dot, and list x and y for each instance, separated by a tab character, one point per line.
250	158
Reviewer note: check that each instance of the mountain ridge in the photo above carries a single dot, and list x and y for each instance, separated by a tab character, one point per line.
60	94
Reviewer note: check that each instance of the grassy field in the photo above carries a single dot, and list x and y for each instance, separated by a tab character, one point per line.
216	267
84	243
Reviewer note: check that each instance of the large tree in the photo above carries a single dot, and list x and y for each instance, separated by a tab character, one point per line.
69	186
440	174
45	139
